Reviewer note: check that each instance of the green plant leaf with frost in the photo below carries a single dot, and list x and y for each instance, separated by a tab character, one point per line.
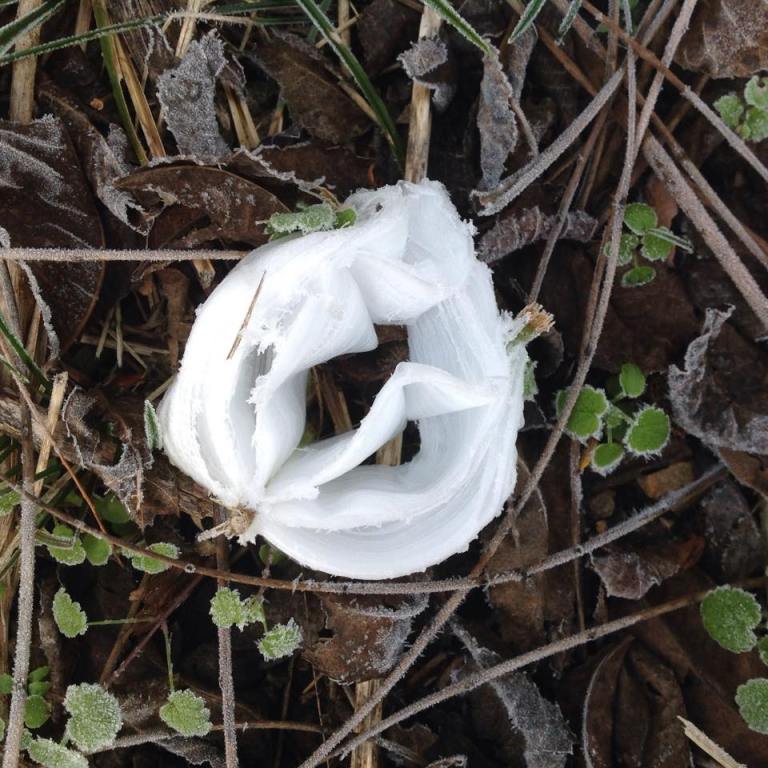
586	419
640	217
313	218
752	700
254	611
186	713
2	729
638	276
730	616
731	109
39	689
227	609
755	125
97	551
151	565
648	433
39	674
451	16
756	93
95	716
52	755
606	457
280	641
67	555
6	683
762	649
628	244
152	432
8	500
527	18
530	387
111	509
37	712
631	380
69	616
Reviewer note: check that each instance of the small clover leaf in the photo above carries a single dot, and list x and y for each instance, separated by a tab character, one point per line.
656	248
752	700
606	457
586	419
730	616
67	555
731	109
151	565
280	641
69	616
631	380
638	276
756	93
186	713
37	711
52	755
755	126
6	683
227	609
152	432
95	716
648	433
97	550
640	217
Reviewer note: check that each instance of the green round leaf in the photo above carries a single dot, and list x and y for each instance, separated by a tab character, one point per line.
73	555
95	716
606	457
280	641
640	217
39	689
755	126
36	712
69	616
254	610
756	92
656	248
631	380
52	755
638	276
648	433
730	616
111	509
345	218
752	700
586	419
628	244
762	649
6	683
227	608
731	109
150	564
186	713
97	550
39	674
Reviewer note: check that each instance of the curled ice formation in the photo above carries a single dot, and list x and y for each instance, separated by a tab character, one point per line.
233	422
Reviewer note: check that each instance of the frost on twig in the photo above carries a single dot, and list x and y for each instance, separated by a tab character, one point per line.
234	425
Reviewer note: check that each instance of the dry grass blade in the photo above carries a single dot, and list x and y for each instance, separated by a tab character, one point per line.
703	742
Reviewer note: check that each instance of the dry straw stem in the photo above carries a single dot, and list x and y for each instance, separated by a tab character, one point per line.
22	107
704	743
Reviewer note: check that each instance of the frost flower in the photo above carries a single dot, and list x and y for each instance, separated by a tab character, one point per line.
235	414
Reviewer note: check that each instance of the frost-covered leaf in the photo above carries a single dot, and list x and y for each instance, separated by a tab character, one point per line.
752	700
49	754
762	649
187	95
631	380
756	92
37	711
6	683
655	248
111	509
280	641
95	716
71	555
97	551
69	616
186	713
648	433
2	729
152	432
151	565
426	62
606	457
755	125
530	387
313	218
39	674
731	109
638	276
640	217
253	610
628	244
227	608
39	689
586	419
730	616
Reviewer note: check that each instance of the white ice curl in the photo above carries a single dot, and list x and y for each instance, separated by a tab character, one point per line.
234	425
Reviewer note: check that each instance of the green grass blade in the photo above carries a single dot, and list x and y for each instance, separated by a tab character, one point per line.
21	351
12	31
568	19
451	16
532	10
328	31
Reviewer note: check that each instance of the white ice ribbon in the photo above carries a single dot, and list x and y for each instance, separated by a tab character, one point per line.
234	422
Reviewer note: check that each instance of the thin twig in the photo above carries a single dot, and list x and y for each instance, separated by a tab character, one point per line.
105	254
226	677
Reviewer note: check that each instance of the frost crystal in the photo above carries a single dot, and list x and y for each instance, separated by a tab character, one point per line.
235	415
